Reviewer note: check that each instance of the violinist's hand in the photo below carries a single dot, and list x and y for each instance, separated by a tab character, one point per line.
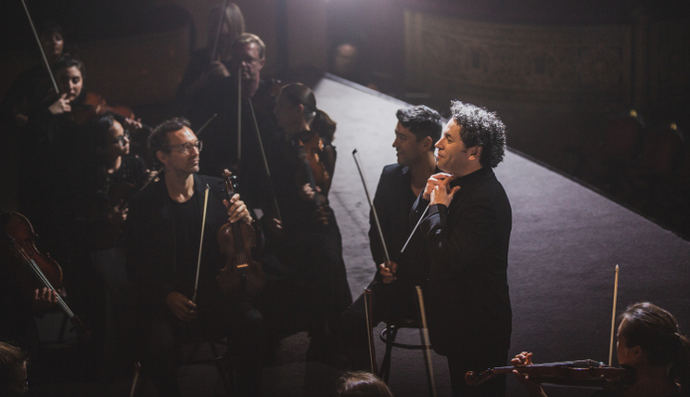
434	181
237	209
523	359
181	306
44	298
62	105
387	271
217	69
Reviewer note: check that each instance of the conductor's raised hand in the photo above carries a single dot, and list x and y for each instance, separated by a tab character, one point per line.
442	193
434	181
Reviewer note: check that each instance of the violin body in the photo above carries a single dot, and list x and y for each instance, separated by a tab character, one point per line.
242	275
313	153
22	238
94	105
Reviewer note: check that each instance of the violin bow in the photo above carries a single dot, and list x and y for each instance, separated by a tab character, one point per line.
239	114
424	332
40	47
414	229
613	313
368	299
201	245
373	209
221	22
135	378
264	158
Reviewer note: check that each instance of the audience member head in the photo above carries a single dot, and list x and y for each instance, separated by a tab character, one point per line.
13	375
362	384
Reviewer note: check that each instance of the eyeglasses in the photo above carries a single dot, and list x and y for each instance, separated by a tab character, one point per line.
186	148
122	139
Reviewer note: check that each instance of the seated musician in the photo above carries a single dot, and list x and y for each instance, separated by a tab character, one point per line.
649	342
310	245
395	298
163	240
212	63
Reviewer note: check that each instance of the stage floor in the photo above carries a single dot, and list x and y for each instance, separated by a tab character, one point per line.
565	243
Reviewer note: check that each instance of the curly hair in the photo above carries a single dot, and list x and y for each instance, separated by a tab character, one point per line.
422	121
480	127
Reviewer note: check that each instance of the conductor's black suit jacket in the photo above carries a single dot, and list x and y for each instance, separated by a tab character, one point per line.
467	246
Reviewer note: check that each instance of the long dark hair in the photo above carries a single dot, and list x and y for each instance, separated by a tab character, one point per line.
657	333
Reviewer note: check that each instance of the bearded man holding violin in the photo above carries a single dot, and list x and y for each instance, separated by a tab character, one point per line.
164	228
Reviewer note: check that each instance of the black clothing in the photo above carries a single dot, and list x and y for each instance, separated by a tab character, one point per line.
163	240
220	136
398	300
393	200
310	250
468	305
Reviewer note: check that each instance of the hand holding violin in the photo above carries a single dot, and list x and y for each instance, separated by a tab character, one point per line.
237	210
523	359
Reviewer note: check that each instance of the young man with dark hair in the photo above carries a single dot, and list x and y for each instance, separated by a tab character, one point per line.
164	229
465	236
417	129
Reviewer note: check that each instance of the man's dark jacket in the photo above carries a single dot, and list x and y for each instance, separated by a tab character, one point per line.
151	257
467	290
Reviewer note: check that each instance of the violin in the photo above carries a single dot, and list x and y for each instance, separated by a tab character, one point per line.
94	105
47	271
242	275
589	373
310	148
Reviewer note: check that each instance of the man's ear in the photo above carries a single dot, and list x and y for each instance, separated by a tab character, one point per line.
160	156
428	142
475	152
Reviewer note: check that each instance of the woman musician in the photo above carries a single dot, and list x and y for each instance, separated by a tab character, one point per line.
650	345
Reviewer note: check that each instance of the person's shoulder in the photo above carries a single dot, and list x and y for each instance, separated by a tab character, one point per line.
393	169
